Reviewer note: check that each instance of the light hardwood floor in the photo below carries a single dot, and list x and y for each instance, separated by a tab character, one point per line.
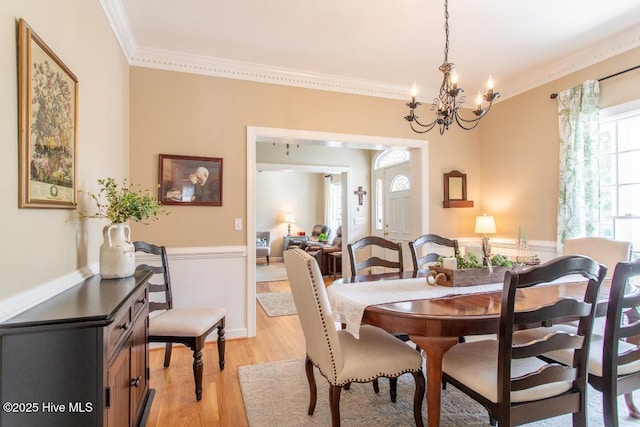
277	338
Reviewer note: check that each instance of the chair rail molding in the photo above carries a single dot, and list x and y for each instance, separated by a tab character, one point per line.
200	275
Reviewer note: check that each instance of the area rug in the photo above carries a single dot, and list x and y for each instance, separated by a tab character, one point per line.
277	394
273	272
277	303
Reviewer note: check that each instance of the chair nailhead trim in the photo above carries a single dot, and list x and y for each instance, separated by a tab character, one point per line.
326	334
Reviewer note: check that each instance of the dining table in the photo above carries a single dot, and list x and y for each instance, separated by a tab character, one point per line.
435	317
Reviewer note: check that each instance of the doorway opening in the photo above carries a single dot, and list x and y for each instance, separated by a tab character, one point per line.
419	213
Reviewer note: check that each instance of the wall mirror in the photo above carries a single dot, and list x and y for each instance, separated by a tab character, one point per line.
455	190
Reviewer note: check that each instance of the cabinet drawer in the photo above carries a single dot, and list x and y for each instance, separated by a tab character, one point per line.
119	328
138	303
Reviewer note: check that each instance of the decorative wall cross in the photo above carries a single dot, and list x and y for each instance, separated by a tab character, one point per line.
360	193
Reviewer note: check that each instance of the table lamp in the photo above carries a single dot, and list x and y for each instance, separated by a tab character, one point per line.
485	224
289	220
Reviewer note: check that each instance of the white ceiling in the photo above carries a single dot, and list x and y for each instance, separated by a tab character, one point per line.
376	47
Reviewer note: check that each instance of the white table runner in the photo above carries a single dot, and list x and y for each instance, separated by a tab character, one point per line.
349	300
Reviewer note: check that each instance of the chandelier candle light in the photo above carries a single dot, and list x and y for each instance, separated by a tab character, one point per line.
447	105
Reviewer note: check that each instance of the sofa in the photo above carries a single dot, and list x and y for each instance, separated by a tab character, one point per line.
263	244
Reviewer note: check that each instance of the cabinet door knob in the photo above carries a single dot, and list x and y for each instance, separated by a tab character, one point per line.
125	326
135	382
142	301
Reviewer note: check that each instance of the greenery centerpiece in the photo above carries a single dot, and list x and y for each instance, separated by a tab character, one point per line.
118	204
470	271
472	261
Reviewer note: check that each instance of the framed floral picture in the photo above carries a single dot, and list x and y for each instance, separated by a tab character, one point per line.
190	180
47	123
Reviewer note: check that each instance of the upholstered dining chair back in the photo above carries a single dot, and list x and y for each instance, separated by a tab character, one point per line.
529	388
314	311
373	242
340	357
604	251
430	239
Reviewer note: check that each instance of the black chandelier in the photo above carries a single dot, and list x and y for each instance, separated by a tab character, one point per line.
447	104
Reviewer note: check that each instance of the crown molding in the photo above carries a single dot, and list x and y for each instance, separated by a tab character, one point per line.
196	64
608	48
217	67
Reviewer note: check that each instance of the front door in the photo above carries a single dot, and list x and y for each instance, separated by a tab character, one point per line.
395	219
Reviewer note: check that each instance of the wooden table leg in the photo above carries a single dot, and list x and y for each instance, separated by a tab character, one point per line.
434	348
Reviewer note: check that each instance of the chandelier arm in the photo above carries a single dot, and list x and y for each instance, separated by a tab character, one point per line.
427	128
462	122
427	125
479	113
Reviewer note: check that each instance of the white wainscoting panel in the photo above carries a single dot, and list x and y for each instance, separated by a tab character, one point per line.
200	276
210	276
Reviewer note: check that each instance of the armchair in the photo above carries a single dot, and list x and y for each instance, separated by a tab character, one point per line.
318	229
263	244
319	250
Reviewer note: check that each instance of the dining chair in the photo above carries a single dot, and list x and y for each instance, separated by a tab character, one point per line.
375	261
506	376
340	357
431	257
603	250
614	359
188	326
371	242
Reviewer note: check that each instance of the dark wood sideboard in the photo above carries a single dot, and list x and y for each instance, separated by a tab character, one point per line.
80	358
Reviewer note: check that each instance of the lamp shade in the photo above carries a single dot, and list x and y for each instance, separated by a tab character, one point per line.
289	218
485	224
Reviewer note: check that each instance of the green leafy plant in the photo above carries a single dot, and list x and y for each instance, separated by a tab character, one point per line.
501	261
323	237
122	203
473	262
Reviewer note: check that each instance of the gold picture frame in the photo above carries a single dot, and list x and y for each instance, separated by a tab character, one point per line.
47	125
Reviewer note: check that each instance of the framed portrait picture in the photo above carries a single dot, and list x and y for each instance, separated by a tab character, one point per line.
190	180
48	125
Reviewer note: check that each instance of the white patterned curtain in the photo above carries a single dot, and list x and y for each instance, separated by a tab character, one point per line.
578	204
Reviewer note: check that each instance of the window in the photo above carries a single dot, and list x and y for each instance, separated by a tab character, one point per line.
379	204
335	205
619	173
390	158
399	183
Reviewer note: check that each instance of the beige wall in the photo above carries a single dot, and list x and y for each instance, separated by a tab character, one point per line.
278	193
42	245
520	149
178	113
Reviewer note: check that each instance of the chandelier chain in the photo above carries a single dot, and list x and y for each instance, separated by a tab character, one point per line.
446	32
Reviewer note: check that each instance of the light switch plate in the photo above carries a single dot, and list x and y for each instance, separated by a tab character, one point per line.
237	224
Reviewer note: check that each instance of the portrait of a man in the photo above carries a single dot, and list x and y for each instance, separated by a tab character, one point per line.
190	180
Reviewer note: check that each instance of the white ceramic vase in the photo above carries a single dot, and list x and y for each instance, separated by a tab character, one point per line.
117	253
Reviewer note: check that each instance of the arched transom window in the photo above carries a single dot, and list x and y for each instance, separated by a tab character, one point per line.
399	183
390	158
